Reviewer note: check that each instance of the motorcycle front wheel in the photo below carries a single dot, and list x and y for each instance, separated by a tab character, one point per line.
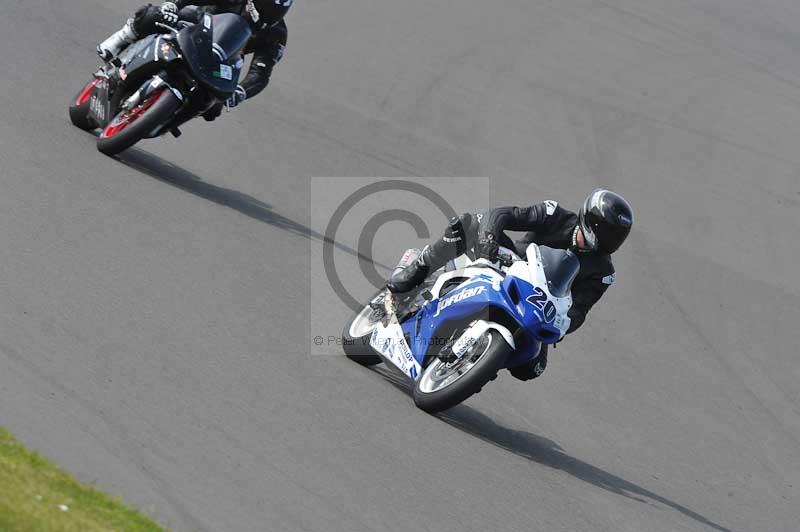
443	385
131	126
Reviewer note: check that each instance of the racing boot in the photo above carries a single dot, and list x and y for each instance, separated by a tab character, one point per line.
117	42
433	257
409	277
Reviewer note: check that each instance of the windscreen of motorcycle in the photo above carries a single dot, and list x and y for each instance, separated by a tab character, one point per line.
560	266
231	33
195	43
202	47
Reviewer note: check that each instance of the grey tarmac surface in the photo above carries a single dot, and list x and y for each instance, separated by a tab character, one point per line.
154	334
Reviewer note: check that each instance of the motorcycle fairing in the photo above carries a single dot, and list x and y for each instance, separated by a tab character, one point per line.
515	302
484	292
100	104
539	278
205	56
476	297
146	58
388	340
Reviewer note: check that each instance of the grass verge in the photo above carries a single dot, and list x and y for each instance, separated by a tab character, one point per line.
37	495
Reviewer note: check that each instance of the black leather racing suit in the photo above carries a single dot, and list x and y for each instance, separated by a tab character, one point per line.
546	224
267	43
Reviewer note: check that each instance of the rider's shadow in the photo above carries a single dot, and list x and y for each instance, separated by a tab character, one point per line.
545	452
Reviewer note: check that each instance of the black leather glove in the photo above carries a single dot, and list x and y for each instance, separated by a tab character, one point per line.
238	96
169	13
487	247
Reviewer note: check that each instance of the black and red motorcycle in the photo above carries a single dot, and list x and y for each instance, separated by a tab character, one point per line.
163	81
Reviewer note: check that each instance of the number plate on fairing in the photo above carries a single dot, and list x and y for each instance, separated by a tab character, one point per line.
464	344
390	342
99	106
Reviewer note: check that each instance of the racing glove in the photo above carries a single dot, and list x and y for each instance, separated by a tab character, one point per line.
238	96
487	247
169	13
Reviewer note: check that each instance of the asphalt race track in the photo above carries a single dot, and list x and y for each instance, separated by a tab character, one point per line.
154	309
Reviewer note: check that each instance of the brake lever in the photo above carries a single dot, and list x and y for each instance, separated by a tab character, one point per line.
167	27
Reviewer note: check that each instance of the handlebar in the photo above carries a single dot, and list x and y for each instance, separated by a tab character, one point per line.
181	25
502	261
505	260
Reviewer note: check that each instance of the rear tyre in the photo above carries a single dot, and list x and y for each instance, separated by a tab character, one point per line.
356	337
444	385
129	127
79	108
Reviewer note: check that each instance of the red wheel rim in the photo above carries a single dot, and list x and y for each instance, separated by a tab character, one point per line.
83	97
124	119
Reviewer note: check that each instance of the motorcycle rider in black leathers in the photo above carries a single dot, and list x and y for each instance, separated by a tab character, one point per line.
267	43
598	230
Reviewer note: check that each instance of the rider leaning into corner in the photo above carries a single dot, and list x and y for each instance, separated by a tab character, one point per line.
598	230
267	43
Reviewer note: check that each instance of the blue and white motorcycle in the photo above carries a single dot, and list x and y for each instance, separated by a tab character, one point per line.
454	333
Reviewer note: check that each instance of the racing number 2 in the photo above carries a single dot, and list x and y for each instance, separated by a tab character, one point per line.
539	300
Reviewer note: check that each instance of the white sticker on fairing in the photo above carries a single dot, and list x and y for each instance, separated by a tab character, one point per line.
225	72
562	323
464	344
609	279
550	207
390	342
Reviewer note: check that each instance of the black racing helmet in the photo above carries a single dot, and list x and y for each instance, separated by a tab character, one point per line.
606	220
268	12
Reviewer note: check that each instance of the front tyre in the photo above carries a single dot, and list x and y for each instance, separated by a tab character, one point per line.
443	385
129	127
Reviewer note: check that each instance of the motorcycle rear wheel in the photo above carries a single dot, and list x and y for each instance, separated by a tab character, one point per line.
79	108
356	337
